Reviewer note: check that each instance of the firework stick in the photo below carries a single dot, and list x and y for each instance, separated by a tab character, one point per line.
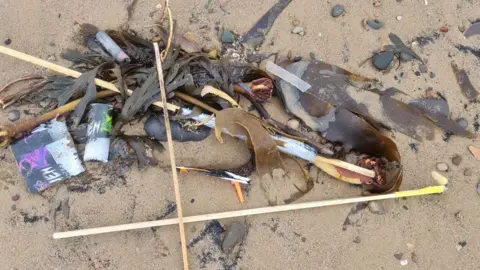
248	212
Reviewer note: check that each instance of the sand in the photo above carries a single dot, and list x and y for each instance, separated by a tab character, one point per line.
429	227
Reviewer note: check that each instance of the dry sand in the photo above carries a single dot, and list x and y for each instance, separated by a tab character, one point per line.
429	227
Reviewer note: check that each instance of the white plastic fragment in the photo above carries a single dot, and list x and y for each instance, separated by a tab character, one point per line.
404	262
112	47
287	76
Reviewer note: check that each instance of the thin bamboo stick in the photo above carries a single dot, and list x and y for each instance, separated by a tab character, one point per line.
247	212
171	152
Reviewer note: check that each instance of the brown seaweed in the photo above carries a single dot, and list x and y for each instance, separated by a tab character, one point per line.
463	80
240	123
330	85
83	85
438	112
256	35
473	30
407	120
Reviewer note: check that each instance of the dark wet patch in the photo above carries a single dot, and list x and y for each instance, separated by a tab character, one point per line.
414	147
468	49
426	39
213	229
27	218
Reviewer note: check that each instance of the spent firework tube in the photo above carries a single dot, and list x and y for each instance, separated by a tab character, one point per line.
98	132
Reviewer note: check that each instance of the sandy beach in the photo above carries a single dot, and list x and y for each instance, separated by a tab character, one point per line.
430	232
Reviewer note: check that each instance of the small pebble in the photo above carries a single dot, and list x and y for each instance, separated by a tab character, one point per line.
444	29
462	122
404	262
7	41
297	59
13	115
376	208
293	123
461	28
234	235
15	197
297	30
399	18
468	172
423	68
414	257
295	22
439	179
414	147
338	10
377	3
398	256
457	160
357	240
44	103
192	200
375	24
461	245
190	36
14	207
52	58
474	150
417	73
432	75
443	167
478	188
228	37
52	43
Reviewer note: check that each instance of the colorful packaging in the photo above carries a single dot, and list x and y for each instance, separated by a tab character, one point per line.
46	156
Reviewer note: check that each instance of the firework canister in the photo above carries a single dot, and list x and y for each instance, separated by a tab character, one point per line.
98	132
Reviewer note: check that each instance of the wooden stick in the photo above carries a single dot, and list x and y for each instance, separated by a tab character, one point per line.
69	72
247	212
345	165
178	197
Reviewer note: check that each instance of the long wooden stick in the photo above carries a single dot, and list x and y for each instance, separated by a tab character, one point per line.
69	72
247	212
171	151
